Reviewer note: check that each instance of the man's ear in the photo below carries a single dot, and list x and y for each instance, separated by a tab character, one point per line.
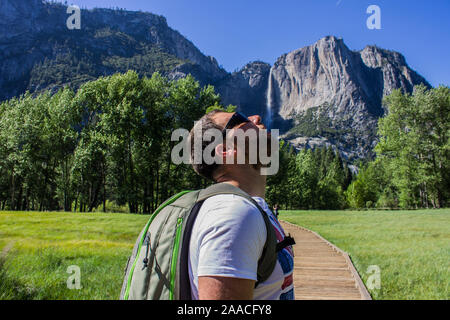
225	155
220	153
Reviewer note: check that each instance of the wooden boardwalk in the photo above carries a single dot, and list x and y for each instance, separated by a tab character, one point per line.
322	271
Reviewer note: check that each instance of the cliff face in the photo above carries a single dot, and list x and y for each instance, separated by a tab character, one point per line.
246	88
20	17
317	95
323	94
327	94
38	51
393	68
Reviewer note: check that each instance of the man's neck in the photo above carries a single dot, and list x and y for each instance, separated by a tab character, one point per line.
254	185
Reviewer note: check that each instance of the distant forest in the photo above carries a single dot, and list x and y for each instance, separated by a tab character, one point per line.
107	147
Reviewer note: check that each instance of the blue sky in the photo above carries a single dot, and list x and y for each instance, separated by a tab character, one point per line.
239	31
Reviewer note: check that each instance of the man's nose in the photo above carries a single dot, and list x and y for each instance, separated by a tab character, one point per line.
256	119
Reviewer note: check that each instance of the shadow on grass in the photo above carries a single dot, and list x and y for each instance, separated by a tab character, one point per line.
12	288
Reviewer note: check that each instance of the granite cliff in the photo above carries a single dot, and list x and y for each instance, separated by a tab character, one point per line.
38	51
324	93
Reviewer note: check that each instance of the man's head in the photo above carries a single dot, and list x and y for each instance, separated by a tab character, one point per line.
231	126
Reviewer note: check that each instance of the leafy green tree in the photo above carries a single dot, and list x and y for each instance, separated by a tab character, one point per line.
365	190
414	146
278	189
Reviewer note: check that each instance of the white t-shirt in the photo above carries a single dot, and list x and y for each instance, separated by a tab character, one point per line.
227	240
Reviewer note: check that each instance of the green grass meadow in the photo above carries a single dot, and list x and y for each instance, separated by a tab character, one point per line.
411	248
44	245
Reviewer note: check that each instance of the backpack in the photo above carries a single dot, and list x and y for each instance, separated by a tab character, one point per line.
158	266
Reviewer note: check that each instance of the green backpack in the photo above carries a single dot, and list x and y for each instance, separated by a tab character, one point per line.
158	266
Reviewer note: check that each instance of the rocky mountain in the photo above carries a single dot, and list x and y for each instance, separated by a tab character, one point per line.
321	94
246	88
334	95
38	51
324	94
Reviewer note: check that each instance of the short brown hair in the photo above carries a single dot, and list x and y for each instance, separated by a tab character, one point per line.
207	122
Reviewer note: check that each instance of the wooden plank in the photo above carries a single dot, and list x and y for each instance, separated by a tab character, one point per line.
318	254
350	282
321	264
324	277
329	291
321	268
319	297
323	272
338	259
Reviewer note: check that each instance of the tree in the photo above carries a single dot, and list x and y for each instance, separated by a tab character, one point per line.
365	190
414	145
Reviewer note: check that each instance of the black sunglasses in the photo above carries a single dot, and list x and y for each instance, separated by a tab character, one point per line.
236	119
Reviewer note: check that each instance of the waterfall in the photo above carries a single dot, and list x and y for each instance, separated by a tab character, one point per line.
269	102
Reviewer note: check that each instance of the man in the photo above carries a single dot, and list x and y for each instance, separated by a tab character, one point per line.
275	210
229	232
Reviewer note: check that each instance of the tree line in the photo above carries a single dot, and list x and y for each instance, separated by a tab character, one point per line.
107	147
309	179
107	143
